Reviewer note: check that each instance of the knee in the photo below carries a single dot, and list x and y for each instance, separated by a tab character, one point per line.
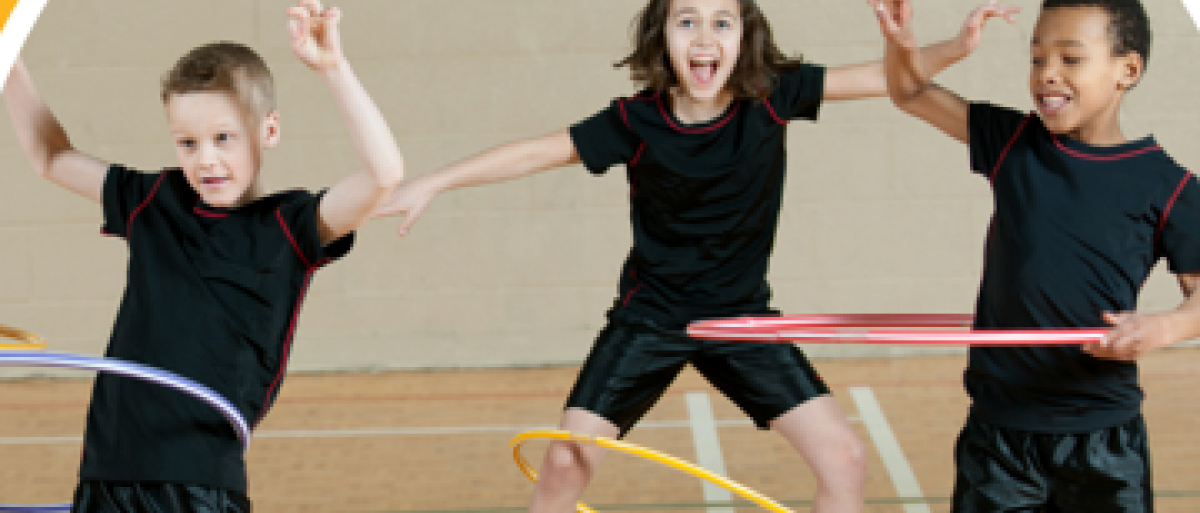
565	459
847	459
854	453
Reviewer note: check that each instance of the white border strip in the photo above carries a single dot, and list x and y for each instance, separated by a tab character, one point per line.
708	448
16	31
889	449
1193	7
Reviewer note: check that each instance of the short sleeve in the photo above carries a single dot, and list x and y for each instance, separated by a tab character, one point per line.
1179	239
298	214
992	130
125	192
799	93
605	139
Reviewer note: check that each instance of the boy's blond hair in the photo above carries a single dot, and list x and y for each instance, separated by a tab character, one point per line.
227	67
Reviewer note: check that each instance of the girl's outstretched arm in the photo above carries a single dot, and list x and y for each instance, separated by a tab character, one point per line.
505	162
869	80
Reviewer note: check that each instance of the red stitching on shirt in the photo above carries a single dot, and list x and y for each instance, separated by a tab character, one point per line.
634	290
696	130
1086	156
774	115
153	190
1162	223
291	239
637	156
287	345
209	213
624	114
1004	154
629	295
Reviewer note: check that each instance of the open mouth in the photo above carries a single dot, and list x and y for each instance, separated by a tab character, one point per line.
214	181
704	70
1052	104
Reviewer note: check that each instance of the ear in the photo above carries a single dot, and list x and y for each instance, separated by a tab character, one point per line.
1131	69
269	130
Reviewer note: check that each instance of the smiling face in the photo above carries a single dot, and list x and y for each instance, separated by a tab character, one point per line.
1076	81
704	40
219	152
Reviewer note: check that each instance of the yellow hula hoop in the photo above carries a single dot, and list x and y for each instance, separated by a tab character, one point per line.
26	340
643	452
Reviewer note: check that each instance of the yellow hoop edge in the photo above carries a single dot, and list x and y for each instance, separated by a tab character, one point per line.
28	340
639	451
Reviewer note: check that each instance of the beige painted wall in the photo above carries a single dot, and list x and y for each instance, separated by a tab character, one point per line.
881	213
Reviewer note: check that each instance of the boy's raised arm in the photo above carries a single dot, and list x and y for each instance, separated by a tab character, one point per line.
46	143
350	202
908	77
868	80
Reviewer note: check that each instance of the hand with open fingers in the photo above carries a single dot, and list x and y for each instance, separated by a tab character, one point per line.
1133	335
895	21
972	31
409	201
314	31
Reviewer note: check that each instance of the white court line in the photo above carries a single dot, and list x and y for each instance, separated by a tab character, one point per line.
462	430
708	448
351	433
889	448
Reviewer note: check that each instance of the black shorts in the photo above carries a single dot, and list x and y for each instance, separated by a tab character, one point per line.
632	364
1008	470
123	497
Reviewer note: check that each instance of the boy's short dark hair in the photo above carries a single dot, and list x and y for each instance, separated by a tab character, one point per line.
224	67
757	68
1129	26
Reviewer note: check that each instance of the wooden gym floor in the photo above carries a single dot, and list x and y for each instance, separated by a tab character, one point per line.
438	441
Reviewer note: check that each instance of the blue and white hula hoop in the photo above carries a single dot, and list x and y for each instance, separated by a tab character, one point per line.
119	367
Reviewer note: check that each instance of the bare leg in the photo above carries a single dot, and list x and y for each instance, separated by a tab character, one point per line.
819	431
568	466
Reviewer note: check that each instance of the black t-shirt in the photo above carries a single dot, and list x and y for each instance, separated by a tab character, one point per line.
705	198
1076	231
212	295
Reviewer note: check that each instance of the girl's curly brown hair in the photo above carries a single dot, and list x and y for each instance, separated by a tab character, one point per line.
758	66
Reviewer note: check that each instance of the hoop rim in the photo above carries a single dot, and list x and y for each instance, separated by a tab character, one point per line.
636	450
136	371
27	340
131	370
848	329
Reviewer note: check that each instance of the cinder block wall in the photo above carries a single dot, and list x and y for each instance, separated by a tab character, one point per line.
881	214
